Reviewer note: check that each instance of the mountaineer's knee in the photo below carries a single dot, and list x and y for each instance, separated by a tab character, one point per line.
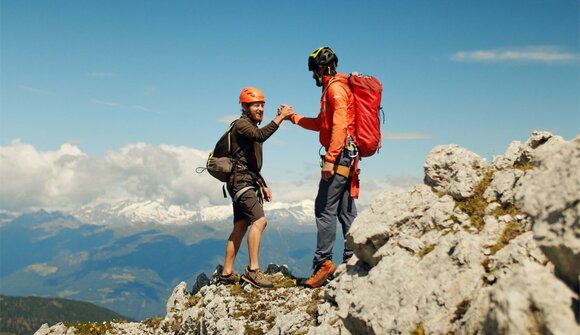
261	223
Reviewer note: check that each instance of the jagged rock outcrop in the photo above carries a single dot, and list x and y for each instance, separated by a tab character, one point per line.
477	249
550	195
457	272
454	170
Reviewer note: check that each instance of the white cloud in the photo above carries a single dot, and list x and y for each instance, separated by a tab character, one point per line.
104	103
67	179
542	54
67	293
406	136
42	269
125	277
34	90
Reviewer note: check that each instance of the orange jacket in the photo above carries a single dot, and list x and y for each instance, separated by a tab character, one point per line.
336	117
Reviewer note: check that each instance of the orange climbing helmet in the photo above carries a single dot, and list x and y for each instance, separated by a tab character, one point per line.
251	94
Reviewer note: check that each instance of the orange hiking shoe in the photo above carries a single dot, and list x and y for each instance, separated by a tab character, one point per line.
321	274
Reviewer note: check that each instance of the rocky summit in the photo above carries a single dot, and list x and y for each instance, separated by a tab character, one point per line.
479	248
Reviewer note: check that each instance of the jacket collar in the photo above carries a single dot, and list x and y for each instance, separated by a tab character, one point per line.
327	79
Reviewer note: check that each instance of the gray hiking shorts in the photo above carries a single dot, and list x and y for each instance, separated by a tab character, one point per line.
248	207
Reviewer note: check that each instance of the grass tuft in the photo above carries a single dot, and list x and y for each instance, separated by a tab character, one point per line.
193	300
153	322
524	166
475	205
427	250
93	328
419	330
511	231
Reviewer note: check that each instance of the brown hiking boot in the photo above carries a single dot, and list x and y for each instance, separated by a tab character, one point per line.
257	278
231	279
321	274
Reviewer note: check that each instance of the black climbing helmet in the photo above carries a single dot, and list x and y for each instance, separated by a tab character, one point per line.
324	56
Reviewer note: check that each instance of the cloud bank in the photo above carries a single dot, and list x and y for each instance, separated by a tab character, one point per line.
67	179
541	54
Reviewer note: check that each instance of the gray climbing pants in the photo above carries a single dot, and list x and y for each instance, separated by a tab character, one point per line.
333	202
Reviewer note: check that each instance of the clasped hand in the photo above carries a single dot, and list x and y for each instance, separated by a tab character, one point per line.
285	111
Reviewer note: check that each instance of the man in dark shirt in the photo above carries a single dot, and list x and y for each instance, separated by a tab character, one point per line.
247	187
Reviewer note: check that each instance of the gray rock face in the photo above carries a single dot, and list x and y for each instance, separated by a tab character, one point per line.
178	300
502	187
454	170
416	272
550	195
421	264
530	302
523	154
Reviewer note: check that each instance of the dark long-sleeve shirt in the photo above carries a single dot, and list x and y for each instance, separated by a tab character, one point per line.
247	136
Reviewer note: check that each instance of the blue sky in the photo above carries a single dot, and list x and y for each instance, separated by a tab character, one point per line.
102	75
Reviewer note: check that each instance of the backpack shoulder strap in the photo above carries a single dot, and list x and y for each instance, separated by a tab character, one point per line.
229	132
331	81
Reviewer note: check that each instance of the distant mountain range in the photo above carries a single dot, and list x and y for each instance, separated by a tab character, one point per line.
160	212
129	256
24	315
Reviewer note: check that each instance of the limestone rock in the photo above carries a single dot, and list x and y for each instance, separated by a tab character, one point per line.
532	301
502	186
393	213
514	153
178	300
550	195
454	170
419	264
518	154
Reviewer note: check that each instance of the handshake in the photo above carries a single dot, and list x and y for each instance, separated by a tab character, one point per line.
285	111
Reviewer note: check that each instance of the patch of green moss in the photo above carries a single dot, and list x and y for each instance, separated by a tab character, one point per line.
253	330
283	282
192	300
475	205
312	307
426	250
173	327
512	210
419	330
524	166
236	289
153	322
93	328
511	231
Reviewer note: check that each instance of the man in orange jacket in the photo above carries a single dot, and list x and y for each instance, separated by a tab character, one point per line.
335	124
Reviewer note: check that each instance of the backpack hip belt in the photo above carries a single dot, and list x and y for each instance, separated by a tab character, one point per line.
345	171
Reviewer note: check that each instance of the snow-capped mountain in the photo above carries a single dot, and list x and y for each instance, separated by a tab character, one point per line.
301	212
156	211
162	212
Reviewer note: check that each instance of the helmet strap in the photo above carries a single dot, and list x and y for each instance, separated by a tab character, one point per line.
330	70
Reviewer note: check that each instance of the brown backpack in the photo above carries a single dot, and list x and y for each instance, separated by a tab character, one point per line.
221	161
